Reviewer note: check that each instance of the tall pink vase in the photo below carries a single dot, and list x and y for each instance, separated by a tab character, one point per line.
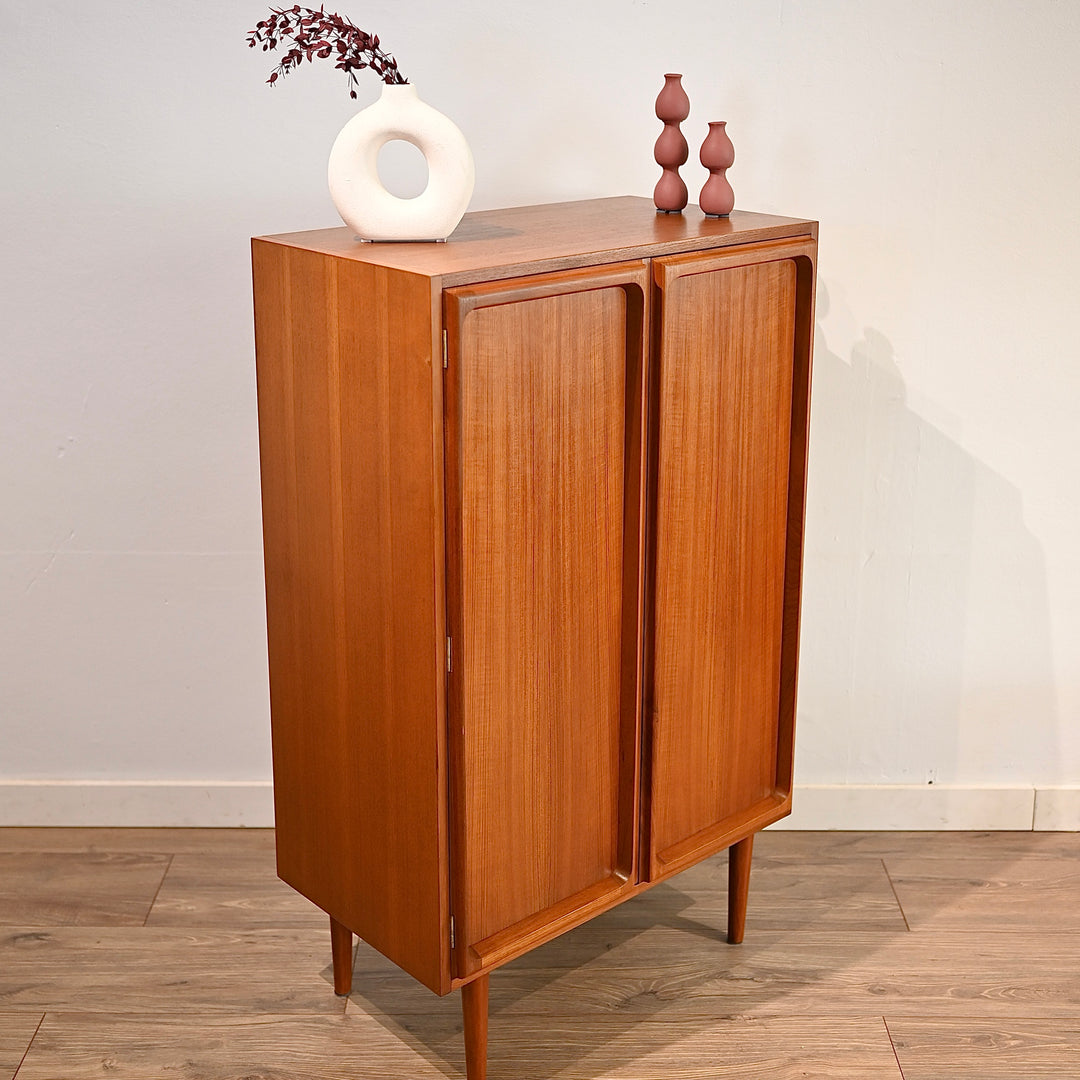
671	151
717	155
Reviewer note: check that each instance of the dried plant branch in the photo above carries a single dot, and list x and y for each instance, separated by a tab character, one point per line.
319	34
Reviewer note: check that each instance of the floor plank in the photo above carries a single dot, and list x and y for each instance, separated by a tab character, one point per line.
786	1049
231	976
78	888
813	846
842	894
988	894
230	891
673	974
159	841
360	1046
974	1048
216	1047
151	970
16	1031
816	846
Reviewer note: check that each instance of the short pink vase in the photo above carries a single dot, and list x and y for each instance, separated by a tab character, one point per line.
717	199
671	151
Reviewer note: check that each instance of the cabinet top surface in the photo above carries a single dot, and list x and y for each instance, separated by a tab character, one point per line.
553	236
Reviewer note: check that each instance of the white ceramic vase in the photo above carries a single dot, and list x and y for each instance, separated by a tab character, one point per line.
361	197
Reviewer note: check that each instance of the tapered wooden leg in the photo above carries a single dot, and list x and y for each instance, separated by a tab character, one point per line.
738	888
474	1007
341	946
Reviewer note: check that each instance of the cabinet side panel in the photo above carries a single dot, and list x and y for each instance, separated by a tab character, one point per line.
725	380
346	408
543	388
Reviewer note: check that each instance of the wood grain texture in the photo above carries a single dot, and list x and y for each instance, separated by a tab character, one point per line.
723	421
658	995
16	1031
687	973
230	891
680	974
596	970
1009	846
726	1047
987	895
773	843
78	888
166	971
839	894
851	894
350	422
495	244
541	440
341	944
246	842
474	1009
545	445
545	452
972	1048
249	1046
739	856
361	1046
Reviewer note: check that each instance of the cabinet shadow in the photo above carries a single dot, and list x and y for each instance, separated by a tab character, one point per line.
926	657
926	635
655	971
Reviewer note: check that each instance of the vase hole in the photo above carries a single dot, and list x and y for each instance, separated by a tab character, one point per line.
403	169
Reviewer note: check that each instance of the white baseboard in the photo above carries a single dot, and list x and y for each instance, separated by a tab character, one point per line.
222	804
919	807
167	803
1057	809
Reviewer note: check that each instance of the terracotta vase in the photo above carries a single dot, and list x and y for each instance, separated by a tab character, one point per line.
360	196
671	151
717	155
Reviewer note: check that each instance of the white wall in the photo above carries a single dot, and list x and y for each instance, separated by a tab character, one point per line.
938	146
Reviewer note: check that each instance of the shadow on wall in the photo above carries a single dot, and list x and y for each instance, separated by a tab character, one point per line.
926	651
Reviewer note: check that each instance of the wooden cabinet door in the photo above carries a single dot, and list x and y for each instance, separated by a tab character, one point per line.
728	413
544	476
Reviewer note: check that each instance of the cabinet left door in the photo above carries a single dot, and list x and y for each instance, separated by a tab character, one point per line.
544	482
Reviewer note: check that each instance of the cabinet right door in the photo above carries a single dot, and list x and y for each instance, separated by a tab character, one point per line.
728	411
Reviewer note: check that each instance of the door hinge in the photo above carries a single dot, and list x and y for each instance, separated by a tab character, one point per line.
453	941
445	351
449	655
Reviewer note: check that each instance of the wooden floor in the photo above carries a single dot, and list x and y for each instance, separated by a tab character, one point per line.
178	954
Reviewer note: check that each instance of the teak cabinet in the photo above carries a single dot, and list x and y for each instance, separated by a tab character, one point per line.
533	506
